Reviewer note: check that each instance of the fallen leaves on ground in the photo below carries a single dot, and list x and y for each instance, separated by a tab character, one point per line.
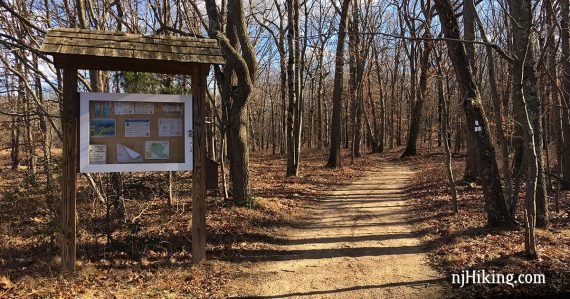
151	257
462	242
5	283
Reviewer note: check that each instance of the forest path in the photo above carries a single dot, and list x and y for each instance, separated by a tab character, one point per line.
355	243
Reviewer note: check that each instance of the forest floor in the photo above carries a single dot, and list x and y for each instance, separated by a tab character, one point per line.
296	223
457	242
355	241
149	251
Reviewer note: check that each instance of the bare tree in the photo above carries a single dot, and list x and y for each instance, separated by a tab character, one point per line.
527	99
418	104
472	165
334	154
496	207
565	61
241	63
445	133
294	88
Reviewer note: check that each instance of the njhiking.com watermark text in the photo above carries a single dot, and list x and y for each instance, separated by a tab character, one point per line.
467	277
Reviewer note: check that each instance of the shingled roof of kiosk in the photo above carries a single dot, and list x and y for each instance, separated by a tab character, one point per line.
105	50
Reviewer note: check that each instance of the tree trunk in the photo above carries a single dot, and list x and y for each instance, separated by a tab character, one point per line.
283	90
565	61
292	77
444	132
334	154
393	95
527	100
299	82
320	102
15	134
416	116
357	61
497	115
552	86
239	169
526	97
472	169
242	65
496	208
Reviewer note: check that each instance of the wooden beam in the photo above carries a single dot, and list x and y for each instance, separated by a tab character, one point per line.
70	123
199	86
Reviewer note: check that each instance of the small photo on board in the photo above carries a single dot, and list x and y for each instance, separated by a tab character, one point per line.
106	109
102	128
156	150
102	109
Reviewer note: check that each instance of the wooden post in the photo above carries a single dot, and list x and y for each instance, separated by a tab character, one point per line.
199	166
70	122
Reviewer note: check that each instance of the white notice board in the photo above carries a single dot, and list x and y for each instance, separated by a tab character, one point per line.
134	132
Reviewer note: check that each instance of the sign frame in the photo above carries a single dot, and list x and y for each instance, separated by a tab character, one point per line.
84	136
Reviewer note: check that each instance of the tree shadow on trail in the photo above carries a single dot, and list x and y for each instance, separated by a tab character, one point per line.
418	283
308	254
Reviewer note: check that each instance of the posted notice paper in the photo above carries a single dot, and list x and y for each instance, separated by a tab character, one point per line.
137	128
170	127
172	108
126	154
144	108
124	108
97	154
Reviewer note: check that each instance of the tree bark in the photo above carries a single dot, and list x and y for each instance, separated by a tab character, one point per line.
496	208
334	154
497	115
527	100
293	114
526	96
417	107
472	165
565	61
445	133
241	64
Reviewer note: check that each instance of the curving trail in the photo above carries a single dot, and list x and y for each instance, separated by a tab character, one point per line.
355	243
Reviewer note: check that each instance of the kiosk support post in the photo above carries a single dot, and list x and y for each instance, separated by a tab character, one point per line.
70	123
199	77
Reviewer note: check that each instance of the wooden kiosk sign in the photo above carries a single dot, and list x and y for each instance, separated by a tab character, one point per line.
131	132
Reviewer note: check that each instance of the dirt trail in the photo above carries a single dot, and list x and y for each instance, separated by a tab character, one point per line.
356	244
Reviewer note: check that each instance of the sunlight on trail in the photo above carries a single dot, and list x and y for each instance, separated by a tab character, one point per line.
356	243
